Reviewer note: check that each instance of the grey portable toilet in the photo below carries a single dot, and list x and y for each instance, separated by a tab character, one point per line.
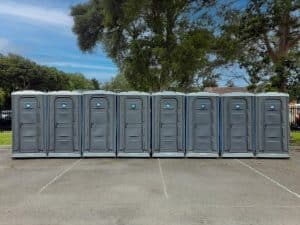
168	124
133	124
99	130
64	124
28	124
237	127
202	125
272	125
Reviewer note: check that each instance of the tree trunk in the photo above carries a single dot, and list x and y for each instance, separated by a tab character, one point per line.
282	75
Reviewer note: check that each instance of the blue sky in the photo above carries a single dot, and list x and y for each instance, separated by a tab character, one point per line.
41	31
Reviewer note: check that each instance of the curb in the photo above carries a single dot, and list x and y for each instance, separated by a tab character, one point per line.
5	147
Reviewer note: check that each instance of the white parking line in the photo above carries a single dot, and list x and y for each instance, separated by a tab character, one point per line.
249	206
58	176
269	178
163	180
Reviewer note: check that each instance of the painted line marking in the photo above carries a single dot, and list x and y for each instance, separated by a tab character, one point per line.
163	180
269	178
249	206
59	175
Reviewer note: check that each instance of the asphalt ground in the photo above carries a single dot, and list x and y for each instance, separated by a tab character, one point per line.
149	191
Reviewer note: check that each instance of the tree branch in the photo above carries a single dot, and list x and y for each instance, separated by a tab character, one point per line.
269	48
293	42
265	36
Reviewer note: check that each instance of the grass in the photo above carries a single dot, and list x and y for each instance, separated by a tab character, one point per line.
5	138
295	137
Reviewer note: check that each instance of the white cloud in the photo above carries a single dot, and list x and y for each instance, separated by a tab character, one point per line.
7	47
79	65
101	72
36	14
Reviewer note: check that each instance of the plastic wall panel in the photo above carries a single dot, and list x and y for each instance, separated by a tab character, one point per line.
202	120
168	124
133	125
28	124
272	131
237	125
64	124
99	133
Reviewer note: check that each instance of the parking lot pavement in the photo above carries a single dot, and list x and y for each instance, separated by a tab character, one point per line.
149	191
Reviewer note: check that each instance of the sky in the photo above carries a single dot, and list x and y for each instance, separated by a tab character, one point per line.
41	30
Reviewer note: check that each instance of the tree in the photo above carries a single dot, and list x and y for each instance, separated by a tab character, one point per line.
157	44
264	39
79	82
230	83
207	81
18	73
2	98
294	80
95	83
118	83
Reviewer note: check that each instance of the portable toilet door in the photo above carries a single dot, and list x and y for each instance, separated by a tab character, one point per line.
99	116
168	124
272	125
64	124
28	119
202	119
133	124
237	129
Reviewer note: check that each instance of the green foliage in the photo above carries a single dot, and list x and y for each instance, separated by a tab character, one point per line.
18	73
2	97
95	83
79	82
118	83
264	39
157	44
209	82
294	78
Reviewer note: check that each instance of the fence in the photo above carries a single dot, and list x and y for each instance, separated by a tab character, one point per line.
294	116
5	120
